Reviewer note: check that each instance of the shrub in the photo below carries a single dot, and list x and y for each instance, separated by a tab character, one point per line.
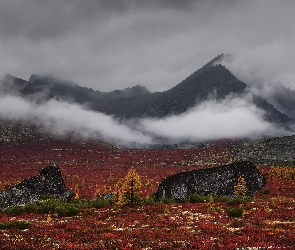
67	210
14	211
266	191
167	200
238	201
201	198
47	206
234	212
20	224
100	202
42	207
146	201
30	208
197	198
81	203
221	198
51	205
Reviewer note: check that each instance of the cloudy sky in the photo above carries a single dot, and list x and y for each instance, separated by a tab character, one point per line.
114	44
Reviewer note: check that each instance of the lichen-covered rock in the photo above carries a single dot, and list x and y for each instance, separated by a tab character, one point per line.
218	181
49	182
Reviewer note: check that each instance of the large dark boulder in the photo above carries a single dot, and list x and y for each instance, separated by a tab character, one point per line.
48	183
218	181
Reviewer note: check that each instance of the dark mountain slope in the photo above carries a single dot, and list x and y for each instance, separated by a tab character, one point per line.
67	90
271	113
13	85
211	81
284	99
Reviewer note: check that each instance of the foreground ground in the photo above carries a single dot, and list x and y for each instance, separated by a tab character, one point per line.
267	223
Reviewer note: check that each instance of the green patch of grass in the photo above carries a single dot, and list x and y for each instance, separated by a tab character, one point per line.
14	211
67	210
20	224
51	205
238	200
167	200
197	198
220	198
146	201
234	212
201	198
47	206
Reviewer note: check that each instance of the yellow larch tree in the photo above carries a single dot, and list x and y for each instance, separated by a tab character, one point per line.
127	190
240	188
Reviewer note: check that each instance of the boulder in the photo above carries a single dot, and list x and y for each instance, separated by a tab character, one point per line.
48	183
218	181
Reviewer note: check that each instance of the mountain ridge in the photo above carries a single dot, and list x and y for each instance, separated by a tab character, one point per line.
213	80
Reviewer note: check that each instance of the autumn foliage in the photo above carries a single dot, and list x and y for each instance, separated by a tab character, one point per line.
240	188
4	185
92	170
128	189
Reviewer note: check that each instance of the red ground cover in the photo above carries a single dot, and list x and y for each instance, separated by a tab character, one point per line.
268	222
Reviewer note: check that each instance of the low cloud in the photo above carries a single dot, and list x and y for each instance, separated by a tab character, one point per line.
230	118
233	117
63	117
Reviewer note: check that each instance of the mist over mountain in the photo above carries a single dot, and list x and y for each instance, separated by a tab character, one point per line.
209	104
280	96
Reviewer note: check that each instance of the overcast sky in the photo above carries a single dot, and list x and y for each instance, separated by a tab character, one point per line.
114	44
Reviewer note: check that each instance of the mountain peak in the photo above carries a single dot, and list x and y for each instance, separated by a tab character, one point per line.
213	80
215	60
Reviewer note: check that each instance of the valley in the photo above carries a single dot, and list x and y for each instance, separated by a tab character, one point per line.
268	220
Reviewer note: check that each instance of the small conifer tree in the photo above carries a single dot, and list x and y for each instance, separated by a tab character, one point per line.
240	188
127	190
211	202
119	198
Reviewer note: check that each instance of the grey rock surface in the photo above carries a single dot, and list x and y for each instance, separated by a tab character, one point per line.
49	183
218	181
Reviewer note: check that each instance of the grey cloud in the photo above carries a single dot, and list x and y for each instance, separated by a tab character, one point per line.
63	117
231	118
36	19
116	44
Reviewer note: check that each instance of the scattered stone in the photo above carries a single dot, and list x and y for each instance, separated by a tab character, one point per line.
107	196
218	181
48	183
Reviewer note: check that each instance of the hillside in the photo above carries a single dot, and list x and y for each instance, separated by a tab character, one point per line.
272	151
90	168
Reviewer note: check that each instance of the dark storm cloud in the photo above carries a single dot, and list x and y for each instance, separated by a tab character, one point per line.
116	44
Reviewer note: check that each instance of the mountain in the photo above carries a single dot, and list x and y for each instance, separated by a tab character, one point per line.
96	100
211	81
281	97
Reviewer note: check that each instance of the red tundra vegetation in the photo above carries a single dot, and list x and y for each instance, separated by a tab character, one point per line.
92	168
